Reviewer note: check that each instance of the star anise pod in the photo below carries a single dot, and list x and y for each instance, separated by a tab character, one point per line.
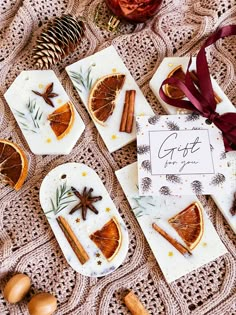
47	94
233	208
86	201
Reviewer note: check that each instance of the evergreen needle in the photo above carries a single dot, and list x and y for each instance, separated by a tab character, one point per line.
61	199
82	79
32	118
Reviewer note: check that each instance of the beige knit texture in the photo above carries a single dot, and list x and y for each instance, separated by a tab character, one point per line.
27	243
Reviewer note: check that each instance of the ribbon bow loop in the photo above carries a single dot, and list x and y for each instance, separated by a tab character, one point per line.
202	100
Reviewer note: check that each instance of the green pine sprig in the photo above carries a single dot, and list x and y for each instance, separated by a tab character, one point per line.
62	200
30	121
140	210
138	214
83	79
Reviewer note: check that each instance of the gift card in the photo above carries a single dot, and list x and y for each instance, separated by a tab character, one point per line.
177	228
169	66
180	155
111	96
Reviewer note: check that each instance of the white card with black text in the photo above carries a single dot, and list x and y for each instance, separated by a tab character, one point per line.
180	155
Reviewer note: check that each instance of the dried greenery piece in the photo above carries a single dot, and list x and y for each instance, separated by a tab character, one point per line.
143	204
82	79
62	200
30	121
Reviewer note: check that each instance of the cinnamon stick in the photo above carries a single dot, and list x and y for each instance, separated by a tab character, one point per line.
134	305
127	118
183	250
72	239
130	118
195	79
125	113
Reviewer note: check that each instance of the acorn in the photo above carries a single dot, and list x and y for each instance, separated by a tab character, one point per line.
42	304
16	288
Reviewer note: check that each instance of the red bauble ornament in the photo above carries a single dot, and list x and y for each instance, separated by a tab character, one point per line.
134	11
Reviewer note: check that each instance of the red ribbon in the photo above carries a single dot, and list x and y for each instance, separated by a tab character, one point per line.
203	100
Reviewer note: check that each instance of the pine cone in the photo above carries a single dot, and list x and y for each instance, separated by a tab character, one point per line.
57	41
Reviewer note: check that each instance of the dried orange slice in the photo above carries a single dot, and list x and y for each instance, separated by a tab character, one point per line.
189	224
103	95
172	91
108	239
13	164
62	119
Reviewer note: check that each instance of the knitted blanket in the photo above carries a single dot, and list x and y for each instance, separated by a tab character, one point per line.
27	244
